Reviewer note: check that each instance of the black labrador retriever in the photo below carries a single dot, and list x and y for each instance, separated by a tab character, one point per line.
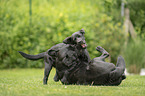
99	72
73	64
66	57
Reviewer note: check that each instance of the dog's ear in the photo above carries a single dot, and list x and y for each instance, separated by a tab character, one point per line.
82	31
52	52
68	40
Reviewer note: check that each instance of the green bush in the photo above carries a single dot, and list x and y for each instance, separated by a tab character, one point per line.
52	22
134	56
137	16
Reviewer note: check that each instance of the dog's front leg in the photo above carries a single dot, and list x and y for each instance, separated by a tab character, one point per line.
104	55
65	76
56	78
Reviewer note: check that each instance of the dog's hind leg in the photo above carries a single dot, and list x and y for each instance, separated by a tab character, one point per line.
48	66
120	63
117	75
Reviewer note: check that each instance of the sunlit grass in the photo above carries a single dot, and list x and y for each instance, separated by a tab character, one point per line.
28	82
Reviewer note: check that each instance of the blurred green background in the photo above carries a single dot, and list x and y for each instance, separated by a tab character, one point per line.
51	21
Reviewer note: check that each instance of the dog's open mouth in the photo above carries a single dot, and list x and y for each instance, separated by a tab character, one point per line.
83	45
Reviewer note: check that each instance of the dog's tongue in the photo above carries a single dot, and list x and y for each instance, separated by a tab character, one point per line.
83	45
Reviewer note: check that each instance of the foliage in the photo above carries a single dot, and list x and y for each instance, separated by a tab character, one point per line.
134	56
132	49
137	13
52	22
28	82
137	16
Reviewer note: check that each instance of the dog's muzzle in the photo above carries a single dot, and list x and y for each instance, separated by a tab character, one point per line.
84	45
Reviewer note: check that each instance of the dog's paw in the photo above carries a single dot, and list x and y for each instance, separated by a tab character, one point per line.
64	81
99	48
56	79
44	82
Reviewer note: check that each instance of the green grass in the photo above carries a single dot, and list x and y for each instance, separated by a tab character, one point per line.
28	82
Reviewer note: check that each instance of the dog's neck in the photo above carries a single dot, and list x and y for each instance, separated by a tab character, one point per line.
80	53
77	48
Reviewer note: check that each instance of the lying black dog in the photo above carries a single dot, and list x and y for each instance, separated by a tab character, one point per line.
99	72
66	57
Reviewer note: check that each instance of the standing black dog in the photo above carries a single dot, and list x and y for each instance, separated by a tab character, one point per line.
66	57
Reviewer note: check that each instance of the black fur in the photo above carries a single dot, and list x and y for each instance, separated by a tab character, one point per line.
65	57
74	66
32	57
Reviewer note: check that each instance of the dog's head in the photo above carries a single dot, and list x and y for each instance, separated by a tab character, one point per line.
77	38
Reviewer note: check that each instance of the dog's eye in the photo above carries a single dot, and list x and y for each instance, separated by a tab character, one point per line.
78	36
66	56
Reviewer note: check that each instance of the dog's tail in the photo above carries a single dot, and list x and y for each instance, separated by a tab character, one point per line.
32	57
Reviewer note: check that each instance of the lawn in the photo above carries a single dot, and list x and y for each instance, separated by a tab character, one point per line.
28	82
